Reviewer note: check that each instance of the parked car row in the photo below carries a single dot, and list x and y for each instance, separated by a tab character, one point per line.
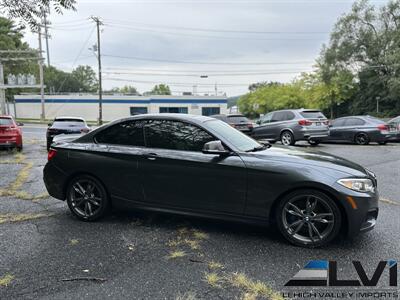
290	126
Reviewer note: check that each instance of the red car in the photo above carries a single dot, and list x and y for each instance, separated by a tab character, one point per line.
10	133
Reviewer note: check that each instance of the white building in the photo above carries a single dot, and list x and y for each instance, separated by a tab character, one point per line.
114	107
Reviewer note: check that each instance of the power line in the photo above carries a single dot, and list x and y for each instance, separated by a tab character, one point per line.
207	63
124	22
175	83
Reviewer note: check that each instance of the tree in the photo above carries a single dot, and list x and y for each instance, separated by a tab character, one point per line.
86	77
126	89
161	89
31	11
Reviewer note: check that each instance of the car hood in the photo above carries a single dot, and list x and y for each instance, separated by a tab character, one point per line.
311	158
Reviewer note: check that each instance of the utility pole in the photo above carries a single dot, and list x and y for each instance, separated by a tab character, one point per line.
98	23
47	39
40	62
216	89
2	91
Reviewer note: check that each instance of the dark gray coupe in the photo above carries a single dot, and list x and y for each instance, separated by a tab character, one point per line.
201	166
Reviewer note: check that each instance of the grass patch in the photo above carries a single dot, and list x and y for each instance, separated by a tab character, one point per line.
251	287
193	244
200	235
13	218
73	242
186	296
6	280
176	254
213	265
213	279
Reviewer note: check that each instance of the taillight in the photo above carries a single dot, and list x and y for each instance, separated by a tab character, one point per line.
305	122
51	154
383	127
326	122
85	130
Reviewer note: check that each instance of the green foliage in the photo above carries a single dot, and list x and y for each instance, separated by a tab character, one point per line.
126	89
30	11
360	66
161	89
86	77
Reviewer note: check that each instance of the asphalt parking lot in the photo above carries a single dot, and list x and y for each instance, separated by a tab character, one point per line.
45	253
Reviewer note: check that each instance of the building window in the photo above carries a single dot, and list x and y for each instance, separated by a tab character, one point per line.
135	110
209	111
174	110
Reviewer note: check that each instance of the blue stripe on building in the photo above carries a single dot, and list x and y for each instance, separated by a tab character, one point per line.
132	101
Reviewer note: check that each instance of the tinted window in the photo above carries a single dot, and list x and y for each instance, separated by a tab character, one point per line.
267	118
208	111
174	110
69	120
175	135
338	122
279	116
135	110
235	137
312	114
128	133
289	115
6	121
354	122
237	119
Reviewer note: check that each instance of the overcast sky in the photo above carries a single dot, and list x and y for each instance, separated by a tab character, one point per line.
223	39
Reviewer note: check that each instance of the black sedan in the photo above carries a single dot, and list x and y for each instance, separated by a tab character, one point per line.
65	125
200	166
361	130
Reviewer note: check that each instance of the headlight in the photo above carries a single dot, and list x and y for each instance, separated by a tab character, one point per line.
358	184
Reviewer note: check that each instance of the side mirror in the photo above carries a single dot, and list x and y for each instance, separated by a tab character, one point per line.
215	147
20	124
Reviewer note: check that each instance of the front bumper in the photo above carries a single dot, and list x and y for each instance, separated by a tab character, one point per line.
361	210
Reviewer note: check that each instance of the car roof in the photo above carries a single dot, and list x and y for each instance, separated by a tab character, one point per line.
68	117
182	117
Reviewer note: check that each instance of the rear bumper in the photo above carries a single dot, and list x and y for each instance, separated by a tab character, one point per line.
305	134
12	141
55	181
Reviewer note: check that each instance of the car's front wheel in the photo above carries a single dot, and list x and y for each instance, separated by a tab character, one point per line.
87	198
308	218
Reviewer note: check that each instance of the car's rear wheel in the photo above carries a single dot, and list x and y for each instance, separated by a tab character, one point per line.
87	198
287	138
361	139
308	218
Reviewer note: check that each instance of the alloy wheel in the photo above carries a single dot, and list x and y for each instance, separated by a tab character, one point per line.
308	219
362	139
86	198
287	138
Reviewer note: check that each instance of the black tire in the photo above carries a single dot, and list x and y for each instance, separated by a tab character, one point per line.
382	143
20	148
87	198
361	139
303	227
287	138
314	142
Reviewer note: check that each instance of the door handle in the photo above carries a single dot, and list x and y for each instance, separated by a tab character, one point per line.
151	156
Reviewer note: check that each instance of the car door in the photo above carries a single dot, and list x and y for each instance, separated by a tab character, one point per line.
351	127
336	130
176	174
117	150
269	127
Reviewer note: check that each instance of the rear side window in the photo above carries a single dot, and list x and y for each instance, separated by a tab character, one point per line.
315	114
128	133
338	122
175	135
290	115
279	116
354	122
6	121
238	119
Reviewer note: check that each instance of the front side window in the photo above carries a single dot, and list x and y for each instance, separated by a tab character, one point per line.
279	116
175	135
354	122
338	122
129	133
267	118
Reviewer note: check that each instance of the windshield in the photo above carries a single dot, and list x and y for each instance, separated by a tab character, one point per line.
241	141
6	121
